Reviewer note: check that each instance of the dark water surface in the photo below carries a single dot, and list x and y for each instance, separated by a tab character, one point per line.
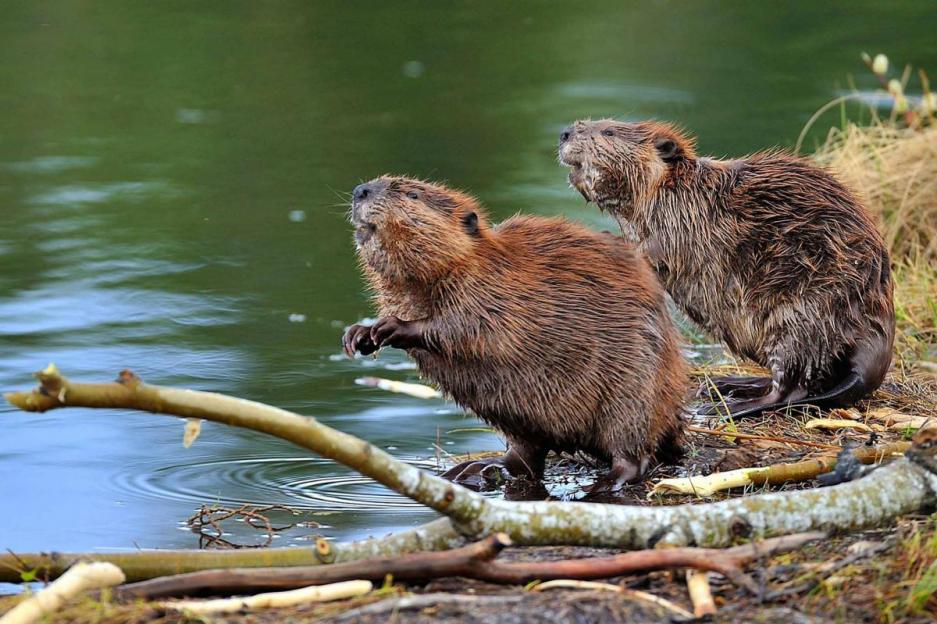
171	185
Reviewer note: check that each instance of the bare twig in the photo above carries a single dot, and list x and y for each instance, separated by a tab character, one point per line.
206	522
776	474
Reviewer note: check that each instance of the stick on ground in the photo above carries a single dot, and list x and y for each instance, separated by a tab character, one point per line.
293	597
474	561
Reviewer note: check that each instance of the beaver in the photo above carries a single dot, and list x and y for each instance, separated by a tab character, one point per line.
769	253
555	335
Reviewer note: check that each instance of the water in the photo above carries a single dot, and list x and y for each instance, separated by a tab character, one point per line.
172	181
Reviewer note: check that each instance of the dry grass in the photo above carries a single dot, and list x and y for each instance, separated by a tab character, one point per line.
895	170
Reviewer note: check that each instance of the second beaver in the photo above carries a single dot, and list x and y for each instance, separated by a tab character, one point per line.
556	335
769	253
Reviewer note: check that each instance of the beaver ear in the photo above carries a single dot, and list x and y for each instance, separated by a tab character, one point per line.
470	223
667	149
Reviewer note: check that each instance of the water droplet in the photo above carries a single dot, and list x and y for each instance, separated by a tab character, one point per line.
413	69
297	216
297	318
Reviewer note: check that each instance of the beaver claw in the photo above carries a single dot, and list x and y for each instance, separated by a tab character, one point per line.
358	338
390	331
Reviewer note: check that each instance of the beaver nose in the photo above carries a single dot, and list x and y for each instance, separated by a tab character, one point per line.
565	134
369	190
362	191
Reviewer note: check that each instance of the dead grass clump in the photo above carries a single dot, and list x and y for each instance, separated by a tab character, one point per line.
894	169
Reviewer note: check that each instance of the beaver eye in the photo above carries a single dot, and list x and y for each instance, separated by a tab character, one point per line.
608	132
413	195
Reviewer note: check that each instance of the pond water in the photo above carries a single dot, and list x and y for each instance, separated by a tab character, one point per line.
172	185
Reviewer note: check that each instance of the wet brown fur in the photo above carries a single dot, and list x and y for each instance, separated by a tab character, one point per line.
554	334
769	253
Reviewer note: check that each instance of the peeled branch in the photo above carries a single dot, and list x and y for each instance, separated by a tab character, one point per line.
411	389
78	579
320	593
777	474
904	486
836	423
701	596
899	421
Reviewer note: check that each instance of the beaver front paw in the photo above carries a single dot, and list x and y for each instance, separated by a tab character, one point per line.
390	331
358	338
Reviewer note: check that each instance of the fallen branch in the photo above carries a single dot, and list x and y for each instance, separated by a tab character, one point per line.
147	564
79	579
322	593
249	580
473	561
903	486
777	474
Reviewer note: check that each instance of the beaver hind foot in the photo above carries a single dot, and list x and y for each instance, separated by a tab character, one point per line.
521	461
844	394
734	387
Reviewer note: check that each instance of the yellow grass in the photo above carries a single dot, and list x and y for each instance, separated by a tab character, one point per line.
894	170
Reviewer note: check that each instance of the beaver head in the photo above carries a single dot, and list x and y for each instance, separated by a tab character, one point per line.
617	164
410	231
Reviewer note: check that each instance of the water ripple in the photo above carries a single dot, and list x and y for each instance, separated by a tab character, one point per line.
306	483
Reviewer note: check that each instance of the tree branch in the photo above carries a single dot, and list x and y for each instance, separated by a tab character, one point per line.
138	566
904	486
474	561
